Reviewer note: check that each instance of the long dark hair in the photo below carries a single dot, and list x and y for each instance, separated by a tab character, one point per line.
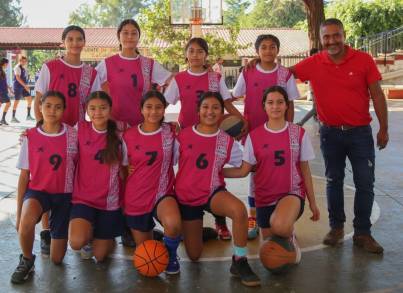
154	94
51	93
125	22
2	62
200	41
110	154
72	28
273	89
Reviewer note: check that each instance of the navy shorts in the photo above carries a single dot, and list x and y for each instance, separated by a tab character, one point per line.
190	213
59	206
263	214
145	222
105	224
4	98
20	93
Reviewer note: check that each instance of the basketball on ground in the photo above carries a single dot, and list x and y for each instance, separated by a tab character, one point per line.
277	254
151	258
231	124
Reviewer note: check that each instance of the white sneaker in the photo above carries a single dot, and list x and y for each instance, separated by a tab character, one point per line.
86	251
297	248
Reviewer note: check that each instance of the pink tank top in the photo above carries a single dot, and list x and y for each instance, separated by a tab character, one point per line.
201	159
52	160
128	81
75	84
191	87
151	155
96	183
278	169
256	83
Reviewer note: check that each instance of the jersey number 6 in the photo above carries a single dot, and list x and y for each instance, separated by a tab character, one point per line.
202	162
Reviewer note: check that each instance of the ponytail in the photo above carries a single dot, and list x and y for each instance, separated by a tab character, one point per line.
111	153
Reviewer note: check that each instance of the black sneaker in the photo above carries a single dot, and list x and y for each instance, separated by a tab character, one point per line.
15	120
23	270
45	242
209	234
240	268
4	122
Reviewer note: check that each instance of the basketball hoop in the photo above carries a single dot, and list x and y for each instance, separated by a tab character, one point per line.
196	12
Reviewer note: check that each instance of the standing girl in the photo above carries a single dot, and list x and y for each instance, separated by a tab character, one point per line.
188	86
75	80
149	188
203	151
47	159
4	90
127	76
280	152
252	82
96	214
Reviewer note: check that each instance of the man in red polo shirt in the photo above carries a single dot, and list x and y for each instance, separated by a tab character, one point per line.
343	81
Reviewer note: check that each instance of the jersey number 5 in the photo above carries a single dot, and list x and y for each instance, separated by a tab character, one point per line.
279	158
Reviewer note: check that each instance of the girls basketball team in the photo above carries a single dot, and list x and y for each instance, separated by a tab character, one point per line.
96	177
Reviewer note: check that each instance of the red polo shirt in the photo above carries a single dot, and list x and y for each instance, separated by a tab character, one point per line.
341	90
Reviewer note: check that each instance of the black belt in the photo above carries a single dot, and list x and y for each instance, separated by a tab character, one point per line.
342	127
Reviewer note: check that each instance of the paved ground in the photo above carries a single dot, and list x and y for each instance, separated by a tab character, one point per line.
342	269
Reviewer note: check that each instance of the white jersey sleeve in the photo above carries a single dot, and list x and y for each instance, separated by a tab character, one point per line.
292	89
17	69
96	86
172	92
102	72
42	84
160	74
307	152
236	155
240	87
224	89
23	158
248	153
125	158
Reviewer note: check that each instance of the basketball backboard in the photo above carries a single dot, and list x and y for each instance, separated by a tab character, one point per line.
206	12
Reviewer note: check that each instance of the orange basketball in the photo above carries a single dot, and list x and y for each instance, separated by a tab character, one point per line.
151	258
277	254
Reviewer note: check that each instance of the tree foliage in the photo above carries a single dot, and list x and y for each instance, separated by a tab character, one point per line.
235	12
156	30
105	13
274	13
10	13
367	18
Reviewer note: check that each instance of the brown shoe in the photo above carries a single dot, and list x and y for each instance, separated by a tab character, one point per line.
368	243
334	237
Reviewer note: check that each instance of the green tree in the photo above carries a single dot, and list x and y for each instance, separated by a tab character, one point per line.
105	13
10	13
367	18
36	58
275	13
156	30
236	10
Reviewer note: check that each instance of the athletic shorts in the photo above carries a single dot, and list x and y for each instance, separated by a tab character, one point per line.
145	222
190	213
4	98
263	214
59	206
105	224
20	93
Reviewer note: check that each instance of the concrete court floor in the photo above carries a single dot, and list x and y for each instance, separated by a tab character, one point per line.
341	269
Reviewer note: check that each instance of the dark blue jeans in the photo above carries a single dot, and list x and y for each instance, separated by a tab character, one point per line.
357	145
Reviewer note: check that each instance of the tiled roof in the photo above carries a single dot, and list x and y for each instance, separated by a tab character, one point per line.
292	41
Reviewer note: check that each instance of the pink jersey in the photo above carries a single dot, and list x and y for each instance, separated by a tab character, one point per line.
52	160
201	159
96	183
75	84
256	83
128	81
278	169
151	155
191	87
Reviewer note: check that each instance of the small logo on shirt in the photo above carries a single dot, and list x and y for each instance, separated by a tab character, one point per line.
188	87
121	70
265	146
88	142
41	149
190	146
137	147
256	84
61	76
